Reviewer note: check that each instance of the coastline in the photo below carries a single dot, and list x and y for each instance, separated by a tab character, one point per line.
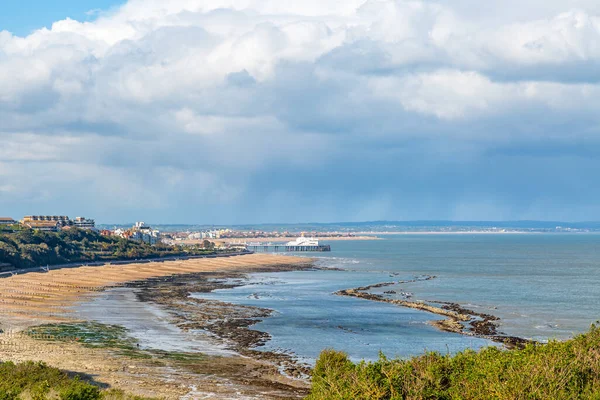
48	298
37	299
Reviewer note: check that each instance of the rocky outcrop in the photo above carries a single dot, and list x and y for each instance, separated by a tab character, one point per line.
458	319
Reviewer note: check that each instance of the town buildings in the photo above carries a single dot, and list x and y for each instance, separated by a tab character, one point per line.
84	223
144	233
54	223
44	226
212	234
60	219
7	221
140	232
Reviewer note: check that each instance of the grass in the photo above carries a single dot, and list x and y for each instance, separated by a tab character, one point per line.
553	371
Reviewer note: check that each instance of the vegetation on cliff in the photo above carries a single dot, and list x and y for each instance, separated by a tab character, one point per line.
26	248
31	380
557	370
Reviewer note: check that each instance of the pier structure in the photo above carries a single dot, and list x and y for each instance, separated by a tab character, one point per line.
285	248
299	245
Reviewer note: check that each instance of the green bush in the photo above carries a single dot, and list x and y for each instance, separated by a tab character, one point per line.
80	391
37	381
553	371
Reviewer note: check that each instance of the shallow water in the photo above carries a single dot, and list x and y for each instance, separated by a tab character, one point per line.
148	323
541	285
309	318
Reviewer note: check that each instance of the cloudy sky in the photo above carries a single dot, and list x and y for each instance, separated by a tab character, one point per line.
237	111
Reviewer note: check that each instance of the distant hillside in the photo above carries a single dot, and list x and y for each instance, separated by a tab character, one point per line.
26	248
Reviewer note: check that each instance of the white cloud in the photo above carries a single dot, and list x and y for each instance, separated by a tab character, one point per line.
447	94
217	92
569	37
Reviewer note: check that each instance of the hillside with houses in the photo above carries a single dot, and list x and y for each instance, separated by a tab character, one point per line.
54	240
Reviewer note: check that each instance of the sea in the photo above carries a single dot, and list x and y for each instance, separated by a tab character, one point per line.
543	286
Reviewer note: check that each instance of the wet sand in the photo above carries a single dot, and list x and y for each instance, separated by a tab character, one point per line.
35	299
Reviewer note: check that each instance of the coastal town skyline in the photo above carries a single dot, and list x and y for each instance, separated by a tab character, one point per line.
231	111
265	229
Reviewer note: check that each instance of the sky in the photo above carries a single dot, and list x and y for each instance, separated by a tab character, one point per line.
248	111
25	16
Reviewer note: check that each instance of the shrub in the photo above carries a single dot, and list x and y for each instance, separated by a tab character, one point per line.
78	390
36	380
553	371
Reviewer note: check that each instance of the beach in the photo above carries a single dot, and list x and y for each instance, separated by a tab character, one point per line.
37	299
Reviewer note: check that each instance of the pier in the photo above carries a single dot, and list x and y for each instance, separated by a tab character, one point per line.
286	248
299	245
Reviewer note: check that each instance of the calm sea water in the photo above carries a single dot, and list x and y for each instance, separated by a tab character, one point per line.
541	286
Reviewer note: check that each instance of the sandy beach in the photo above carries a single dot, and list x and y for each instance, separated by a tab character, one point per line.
35	299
